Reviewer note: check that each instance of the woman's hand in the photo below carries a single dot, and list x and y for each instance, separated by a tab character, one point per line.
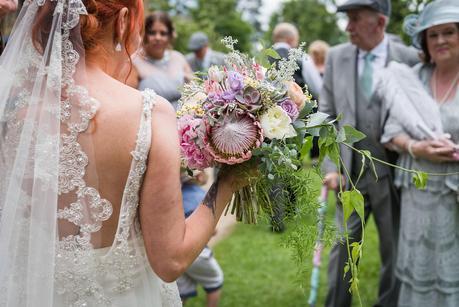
440	150
238	176
331	181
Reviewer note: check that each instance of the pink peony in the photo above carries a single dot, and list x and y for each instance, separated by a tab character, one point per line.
192	134
231	139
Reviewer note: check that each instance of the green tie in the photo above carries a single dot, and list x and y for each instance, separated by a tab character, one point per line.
366	79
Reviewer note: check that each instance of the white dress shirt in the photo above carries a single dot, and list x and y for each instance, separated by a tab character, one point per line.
380	52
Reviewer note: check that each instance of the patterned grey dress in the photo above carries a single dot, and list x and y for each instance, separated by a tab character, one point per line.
428	250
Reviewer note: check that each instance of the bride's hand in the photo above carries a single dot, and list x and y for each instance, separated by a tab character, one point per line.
239	176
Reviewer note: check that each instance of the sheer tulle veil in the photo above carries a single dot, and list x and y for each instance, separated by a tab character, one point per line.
50	208
58	243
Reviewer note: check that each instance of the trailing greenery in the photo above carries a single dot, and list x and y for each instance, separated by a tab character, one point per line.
261	272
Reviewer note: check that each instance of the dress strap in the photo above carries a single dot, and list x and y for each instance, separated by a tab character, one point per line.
143	141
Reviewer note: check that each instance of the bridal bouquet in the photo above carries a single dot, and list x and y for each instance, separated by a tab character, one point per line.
247	110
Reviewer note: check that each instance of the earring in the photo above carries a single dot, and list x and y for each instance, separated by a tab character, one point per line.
118	47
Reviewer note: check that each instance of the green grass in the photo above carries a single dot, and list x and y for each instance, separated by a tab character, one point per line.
260	272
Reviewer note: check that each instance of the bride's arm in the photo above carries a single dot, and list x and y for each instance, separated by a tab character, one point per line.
172	242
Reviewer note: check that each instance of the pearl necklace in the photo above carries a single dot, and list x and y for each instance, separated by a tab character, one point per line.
448	92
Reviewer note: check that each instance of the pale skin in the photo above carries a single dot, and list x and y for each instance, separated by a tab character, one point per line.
171	242
443	46
366	30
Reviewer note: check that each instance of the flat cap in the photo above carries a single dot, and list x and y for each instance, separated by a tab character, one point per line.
381	6
197	41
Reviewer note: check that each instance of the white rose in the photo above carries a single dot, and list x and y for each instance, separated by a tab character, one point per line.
276	124
215	74
196	99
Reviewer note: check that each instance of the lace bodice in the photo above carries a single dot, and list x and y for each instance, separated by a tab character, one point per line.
82	271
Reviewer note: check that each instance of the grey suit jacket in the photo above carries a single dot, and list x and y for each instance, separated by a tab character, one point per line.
339	91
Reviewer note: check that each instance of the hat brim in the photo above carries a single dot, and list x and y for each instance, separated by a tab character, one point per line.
349	7
416	38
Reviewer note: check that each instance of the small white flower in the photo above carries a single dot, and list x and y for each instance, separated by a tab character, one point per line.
196	99
276	124
215	74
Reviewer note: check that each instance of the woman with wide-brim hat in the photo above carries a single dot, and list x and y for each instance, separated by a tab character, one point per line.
428	248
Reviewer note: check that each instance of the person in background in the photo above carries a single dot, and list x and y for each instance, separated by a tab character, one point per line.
428	246
285	36
157	65
318	52
202	56
6	6
348	90
205	270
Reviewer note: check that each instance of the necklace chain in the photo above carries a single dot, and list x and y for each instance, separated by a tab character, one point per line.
448	92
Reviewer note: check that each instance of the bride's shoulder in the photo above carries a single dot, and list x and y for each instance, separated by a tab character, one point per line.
160	104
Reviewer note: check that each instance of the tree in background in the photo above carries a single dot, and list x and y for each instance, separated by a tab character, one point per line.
401	9
312	19
216	18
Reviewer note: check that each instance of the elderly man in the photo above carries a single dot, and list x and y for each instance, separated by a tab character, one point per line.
285	36
348	90
202	56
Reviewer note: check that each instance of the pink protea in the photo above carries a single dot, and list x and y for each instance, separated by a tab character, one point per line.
231	139
192	135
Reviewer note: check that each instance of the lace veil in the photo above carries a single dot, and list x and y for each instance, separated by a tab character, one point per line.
50	209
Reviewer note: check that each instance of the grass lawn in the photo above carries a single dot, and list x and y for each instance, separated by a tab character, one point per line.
259	271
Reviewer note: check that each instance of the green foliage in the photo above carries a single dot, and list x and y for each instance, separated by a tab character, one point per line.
312	20
401	9
349	135
420	179
216	18
352	200
255	261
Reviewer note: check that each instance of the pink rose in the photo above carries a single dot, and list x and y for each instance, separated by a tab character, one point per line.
296	94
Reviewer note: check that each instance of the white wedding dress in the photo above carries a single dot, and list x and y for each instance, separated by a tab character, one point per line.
51	212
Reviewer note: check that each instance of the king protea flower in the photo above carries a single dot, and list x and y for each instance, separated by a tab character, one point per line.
233	136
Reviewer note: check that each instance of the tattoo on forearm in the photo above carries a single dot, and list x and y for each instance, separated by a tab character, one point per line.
210	201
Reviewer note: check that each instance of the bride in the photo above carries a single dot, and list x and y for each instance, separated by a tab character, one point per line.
90	202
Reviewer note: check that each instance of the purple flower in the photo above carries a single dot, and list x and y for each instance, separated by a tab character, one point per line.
228	95
235	81
290	108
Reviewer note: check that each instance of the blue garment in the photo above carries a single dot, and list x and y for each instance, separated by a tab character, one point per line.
192	195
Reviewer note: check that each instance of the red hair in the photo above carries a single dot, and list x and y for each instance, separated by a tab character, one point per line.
94	26
102	14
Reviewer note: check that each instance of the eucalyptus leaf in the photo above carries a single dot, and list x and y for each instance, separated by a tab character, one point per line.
316	119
